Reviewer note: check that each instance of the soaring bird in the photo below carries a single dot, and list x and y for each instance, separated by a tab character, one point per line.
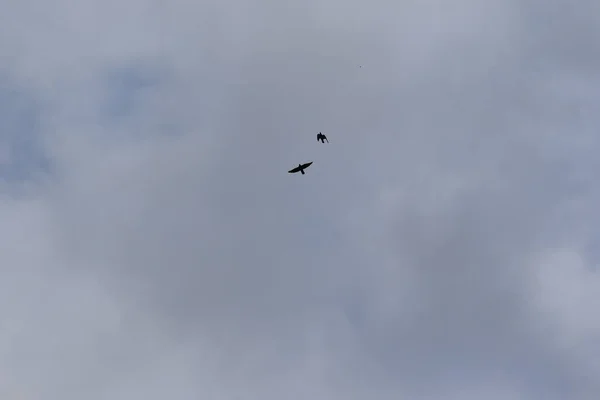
321	137
300	168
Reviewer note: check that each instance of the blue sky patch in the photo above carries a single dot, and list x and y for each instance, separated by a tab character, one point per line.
22	156
125	87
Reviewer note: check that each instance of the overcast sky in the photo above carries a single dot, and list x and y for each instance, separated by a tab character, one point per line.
443	246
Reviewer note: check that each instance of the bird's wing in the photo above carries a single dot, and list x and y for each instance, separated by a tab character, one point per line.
307	165
292	171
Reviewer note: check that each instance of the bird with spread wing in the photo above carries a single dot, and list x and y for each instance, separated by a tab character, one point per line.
300	168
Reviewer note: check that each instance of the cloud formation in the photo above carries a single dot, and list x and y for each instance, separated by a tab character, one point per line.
441	246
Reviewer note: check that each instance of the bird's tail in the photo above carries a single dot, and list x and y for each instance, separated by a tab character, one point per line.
302	171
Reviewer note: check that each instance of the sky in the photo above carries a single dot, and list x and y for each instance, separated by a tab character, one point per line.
443	245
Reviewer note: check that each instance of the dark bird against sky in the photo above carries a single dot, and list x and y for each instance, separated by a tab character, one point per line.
300	168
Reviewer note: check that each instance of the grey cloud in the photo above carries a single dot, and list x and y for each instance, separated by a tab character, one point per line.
403	265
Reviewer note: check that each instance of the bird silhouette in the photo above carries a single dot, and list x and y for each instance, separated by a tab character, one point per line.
300	168
321	137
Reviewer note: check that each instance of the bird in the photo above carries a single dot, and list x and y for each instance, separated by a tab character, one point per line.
321	137
300	168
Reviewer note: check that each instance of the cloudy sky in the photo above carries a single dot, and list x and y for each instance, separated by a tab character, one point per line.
443	245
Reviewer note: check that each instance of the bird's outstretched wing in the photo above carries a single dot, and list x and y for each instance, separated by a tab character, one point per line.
300	168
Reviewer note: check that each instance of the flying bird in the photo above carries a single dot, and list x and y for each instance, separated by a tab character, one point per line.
300	168
321	137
